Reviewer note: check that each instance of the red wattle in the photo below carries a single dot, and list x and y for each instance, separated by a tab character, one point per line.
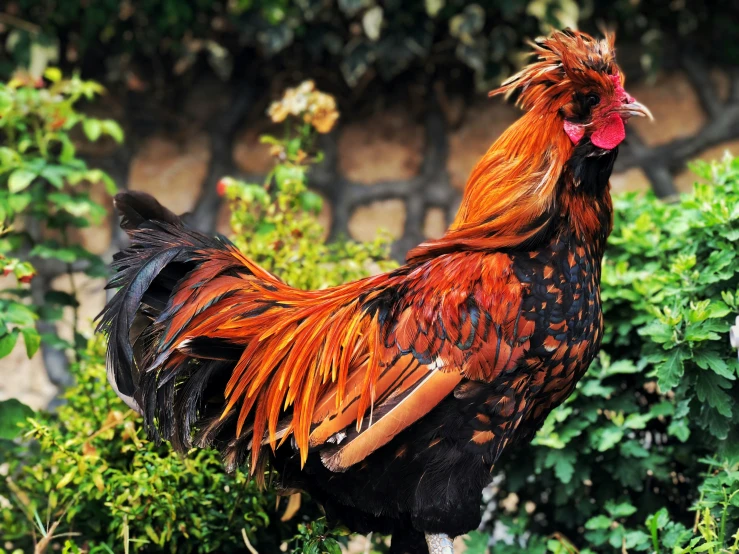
574	131
610	134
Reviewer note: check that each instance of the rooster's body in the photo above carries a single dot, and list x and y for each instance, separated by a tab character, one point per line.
390	399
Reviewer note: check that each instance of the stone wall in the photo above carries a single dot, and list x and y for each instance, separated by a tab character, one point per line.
396	169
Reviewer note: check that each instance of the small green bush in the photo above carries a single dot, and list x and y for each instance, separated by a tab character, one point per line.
650	434
45	197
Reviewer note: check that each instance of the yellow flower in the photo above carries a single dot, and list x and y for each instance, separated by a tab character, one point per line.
277	112
313	106
322	113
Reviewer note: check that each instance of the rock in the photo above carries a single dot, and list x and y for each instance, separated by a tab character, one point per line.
434	223
389	146
388	215
171	171
223	219
482	125
633	179
25	379
674	104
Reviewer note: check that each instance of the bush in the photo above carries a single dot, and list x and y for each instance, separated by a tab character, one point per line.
44	198
366	40
650	433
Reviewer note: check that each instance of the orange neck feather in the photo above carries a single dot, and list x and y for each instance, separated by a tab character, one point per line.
512	189
516	180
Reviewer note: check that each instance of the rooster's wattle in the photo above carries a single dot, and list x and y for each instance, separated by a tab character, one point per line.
390	399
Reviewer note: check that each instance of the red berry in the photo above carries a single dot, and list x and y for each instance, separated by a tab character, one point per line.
7	271
221	187
58	123
26	279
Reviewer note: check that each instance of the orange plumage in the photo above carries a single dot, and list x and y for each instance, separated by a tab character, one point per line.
415	380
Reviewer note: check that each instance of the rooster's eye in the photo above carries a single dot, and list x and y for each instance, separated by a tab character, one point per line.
592	99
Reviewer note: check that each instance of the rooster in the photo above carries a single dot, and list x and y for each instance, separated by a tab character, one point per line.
391	398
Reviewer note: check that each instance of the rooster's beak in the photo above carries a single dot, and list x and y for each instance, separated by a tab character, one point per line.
635	108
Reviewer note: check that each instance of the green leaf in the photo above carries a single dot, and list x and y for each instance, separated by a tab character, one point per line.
92	128
9	159
713	361
311	202
476	543
670	372
598	522
609	437
53	74
20	179
7	342
55	174
658	331
12	413
19	314
20	201
709	388
679	429
32	340
111	128
623	509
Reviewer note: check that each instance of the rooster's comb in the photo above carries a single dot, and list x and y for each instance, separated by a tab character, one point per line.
565	61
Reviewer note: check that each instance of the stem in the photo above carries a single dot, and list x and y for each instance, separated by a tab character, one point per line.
40	142
20	23
75	308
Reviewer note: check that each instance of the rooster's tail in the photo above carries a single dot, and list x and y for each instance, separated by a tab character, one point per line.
157	295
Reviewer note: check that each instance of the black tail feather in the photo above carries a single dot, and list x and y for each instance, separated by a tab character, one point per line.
163	252
136	208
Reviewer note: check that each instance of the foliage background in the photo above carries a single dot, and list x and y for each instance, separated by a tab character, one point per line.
647	438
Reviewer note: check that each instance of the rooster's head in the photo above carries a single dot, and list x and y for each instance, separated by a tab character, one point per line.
576	77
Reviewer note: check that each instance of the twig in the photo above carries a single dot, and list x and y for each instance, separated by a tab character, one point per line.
247	543
43	544
20	23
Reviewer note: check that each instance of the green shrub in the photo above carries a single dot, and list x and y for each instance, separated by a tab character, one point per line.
167	42
44	197
661	397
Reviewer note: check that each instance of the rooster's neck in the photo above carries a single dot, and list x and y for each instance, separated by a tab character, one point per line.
522	193
585	202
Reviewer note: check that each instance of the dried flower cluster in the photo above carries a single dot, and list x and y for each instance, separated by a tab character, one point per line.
308	103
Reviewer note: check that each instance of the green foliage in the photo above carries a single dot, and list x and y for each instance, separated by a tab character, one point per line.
93	473
12	414
364	39
661	396
44	194
316	538
717	513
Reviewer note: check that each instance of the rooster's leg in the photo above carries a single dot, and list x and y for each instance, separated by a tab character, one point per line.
440	544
